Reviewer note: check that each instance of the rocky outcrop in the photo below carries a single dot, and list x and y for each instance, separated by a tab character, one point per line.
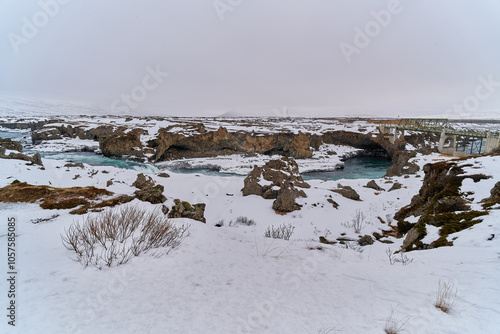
8	144
285	201
170	145
347	192
279	180
440	203
442	182
142	181
50	132
148	190
119	144
182	209
400	164
494	198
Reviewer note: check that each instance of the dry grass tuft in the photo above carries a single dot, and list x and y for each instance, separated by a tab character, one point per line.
445	298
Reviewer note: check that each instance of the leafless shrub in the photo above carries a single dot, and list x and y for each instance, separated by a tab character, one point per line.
283	231
352	245
242	221
115	236
357	222
393	258
445	298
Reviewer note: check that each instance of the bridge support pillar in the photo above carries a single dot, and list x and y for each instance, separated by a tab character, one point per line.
492	142
452	146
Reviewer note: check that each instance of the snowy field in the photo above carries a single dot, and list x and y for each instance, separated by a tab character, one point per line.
231	279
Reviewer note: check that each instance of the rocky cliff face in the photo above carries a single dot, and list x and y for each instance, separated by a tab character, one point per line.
169	146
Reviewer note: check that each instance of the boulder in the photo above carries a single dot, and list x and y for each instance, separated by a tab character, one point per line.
495	196
365	240
143	182
412	236
77	165
37	159
335	204
373	185
183	209
285	201
153	195
347	192
396	186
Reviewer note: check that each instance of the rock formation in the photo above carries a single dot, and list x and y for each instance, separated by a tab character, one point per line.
183	209
347	192
148	190
279	180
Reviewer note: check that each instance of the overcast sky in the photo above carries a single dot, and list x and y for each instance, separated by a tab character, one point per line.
335	57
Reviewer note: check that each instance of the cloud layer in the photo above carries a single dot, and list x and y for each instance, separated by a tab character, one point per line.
315	57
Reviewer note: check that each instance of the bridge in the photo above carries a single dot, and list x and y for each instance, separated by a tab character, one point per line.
456	142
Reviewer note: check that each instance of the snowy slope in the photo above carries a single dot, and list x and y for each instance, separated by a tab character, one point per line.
233	280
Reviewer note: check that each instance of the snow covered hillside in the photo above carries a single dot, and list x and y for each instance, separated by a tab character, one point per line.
232	279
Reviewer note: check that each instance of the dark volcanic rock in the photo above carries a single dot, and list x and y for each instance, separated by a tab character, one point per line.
365	240
10	144
45	134
285	201
347	192
267	180
279	180
119	144
400	164
373	185
396	186
153	195
442	181
185	210
143	182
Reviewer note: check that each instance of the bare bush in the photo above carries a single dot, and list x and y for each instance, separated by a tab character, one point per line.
357	222
283	231
445	298
115	236
393	258
242	221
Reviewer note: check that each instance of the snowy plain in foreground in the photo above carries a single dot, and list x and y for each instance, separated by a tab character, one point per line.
233	280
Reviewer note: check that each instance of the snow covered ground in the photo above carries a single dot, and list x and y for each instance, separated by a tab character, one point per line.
231	279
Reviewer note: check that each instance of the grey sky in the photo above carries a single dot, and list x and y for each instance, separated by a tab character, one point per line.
264	54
